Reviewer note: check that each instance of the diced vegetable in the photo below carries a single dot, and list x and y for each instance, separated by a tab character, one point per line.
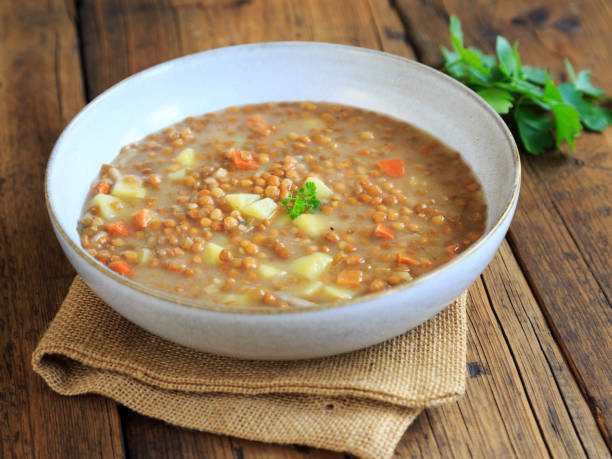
186	157
311	224
210	289
239	201
220	173
142	218
269	271
129	187
311	123
264	208
211	253
293	300
350	278
384	232
323	192
307	290
304	126
258	125
311	266
118	228
337	293
104	204
177	176
121	267
407	259
144	256
237	299
392	167
242	159
101	187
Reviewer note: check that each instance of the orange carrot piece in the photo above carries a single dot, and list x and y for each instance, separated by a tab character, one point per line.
350	278
407	259
258	125
142	218
392	167
382	231
243	160
175	268
121	267
101	188
119	228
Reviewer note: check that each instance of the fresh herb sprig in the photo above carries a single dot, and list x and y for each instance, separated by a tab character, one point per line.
529	94
305	200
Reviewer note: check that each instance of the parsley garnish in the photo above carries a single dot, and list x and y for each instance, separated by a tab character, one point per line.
304	200
537	105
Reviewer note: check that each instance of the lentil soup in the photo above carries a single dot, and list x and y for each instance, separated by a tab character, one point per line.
282	204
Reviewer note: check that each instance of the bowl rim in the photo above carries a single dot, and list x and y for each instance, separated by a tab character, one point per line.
205	306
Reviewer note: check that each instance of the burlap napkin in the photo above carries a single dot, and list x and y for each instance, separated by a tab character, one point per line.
361	402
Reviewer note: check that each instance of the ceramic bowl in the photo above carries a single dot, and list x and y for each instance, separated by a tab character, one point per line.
286	71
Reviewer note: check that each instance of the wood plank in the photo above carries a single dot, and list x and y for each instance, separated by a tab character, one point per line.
118	42
487	420
561	232
40	90
562	413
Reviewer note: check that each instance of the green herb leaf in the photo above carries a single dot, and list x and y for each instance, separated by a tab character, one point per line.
583	84
500	100
545	114
593	116
534	130
536	74
456	33
507	58
568	124
570	70
305	200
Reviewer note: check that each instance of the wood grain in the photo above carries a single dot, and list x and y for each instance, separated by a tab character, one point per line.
40	90
561	231
521	398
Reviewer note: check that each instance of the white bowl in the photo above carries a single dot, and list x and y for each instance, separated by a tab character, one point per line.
286	71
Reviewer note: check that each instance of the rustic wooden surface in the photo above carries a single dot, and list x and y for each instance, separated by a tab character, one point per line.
540	318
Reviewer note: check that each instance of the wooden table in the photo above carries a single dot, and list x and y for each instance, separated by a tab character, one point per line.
540	317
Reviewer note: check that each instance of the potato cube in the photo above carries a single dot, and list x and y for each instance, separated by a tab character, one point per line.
210	289
104	204
311	123
211	253
307	290
312	225
269	271
129	187
311	266
186	157
337	293
323	192
236	299
144	255
177	176
239	201
264	208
